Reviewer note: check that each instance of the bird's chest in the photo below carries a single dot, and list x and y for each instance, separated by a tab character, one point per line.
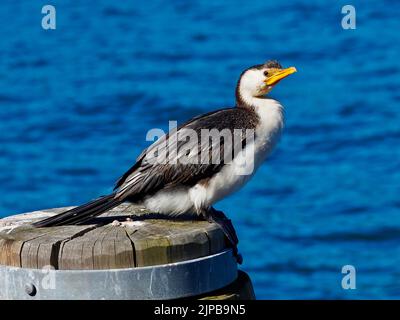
269	129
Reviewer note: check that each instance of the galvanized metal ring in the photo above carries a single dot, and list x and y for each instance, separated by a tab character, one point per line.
169	281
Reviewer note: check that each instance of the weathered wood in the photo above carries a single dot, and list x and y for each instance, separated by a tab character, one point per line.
217	239
165	241
124	250
124	237
43	251
12	243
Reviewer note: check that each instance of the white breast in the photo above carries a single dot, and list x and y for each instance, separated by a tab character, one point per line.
270	127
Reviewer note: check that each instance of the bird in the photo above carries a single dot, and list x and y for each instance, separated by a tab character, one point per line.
178	176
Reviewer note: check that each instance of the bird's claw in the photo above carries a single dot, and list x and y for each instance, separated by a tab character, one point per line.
237	255
218	217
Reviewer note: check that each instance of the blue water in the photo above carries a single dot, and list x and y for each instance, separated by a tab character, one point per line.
76	103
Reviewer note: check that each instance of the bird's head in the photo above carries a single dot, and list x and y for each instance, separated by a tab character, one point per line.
259	80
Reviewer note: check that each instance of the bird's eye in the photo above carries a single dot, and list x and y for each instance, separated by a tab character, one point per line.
266	73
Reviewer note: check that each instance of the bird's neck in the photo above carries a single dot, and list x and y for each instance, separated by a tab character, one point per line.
247	101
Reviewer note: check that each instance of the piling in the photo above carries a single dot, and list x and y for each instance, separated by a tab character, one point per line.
126	253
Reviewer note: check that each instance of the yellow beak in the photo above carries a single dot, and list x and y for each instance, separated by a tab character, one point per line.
279	75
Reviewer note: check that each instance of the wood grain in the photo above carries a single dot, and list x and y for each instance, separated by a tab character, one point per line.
134	240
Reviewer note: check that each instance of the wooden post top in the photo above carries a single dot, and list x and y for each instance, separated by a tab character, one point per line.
125	237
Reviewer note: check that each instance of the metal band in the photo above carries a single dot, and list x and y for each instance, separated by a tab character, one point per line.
169	281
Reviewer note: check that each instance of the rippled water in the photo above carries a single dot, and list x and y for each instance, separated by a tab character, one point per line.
76	103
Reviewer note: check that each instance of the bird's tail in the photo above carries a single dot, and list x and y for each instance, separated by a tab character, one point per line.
81	214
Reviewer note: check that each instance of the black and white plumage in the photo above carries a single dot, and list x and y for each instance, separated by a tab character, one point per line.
175	188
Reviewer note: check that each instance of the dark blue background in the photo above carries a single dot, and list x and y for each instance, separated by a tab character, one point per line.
76	103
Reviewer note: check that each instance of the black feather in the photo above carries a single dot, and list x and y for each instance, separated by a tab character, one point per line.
81	214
